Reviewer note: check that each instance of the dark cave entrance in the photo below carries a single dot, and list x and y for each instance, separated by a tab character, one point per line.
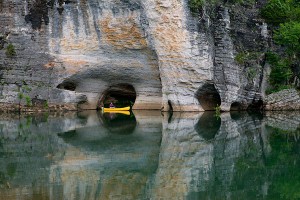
208	97
236	106
121	95
67	85
256	105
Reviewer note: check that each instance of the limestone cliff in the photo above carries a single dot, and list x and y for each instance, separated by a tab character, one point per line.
74	54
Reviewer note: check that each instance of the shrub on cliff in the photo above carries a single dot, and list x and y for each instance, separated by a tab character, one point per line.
195	5
276	11
10	50
288	35
284	18
281	72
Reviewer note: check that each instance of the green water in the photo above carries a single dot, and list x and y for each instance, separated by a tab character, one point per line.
150	155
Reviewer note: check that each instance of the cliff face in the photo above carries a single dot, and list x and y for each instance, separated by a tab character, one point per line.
74	54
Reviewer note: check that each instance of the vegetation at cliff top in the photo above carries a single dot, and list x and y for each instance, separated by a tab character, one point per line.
288	35
281	11
195	5
284	18
284	15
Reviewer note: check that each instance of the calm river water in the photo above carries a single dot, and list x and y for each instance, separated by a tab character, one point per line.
147	155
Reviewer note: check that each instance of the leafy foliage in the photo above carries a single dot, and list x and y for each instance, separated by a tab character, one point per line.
276	11
195	5
284	15
10	50
280	74
28	100
21	95
288	35
218	111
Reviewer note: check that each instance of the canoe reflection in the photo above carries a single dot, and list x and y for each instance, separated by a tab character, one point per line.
122	123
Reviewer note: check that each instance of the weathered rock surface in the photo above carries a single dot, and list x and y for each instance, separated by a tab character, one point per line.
71	53
288	99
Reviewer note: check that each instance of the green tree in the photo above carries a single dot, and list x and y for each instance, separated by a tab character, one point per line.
281	72
276	11
195	5
288	35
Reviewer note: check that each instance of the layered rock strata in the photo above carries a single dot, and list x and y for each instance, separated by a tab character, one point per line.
71	53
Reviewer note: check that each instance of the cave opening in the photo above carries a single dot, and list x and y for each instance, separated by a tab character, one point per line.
256	105
121	95
208	97
235	106
67	85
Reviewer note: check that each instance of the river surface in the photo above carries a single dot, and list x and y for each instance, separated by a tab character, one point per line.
150	155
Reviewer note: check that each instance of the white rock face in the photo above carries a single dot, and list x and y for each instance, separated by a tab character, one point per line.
184	60
109	43
103	44
172	59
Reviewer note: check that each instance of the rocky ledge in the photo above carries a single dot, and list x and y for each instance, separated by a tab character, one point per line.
288	99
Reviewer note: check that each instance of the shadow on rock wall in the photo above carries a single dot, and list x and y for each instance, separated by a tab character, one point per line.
38	11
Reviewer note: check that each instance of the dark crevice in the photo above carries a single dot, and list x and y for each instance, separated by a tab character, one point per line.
170	106
67	85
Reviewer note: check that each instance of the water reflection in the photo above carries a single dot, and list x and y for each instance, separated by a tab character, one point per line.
106	164
118	123
87	155
208	125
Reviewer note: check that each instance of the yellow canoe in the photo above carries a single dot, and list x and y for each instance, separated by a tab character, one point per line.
116	109
124	112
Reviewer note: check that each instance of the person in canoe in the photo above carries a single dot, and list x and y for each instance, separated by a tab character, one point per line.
111	105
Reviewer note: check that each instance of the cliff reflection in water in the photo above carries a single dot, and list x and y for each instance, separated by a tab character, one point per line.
148	155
